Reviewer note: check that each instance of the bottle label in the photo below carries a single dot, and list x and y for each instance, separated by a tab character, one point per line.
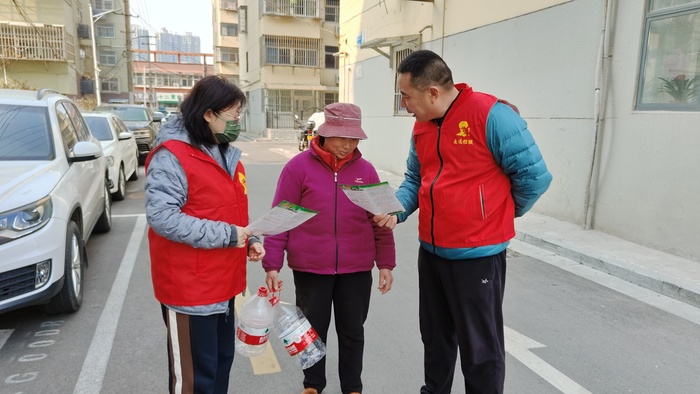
299	339
252	336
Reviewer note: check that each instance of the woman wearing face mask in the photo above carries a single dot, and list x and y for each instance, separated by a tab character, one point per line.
197	210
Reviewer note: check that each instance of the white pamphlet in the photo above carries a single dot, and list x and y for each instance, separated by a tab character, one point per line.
377	198
283	217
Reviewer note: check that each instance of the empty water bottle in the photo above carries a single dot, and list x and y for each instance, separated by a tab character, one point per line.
298	337
254	324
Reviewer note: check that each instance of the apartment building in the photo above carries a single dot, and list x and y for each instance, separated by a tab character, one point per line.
283	54
610	90
48	44
173	42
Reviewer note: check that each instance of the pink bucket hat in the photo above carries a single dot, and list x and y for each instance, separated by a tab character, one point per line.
342	120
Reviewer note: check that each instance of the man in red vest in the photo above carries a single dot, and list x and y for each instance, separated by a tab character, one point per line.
473	167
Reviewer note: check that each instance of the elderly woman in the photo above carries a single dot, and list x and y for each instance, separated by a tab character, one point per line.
332	254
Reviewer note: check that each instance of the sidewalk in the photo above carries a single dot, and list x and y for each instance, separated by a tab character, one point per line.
649	268
652	269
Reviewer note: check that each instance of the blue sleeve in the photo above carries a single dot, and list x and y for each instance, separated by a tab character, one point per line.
516	152
408	191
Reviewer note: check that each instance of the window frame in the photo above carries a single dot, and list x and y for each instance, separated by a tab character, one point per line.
650	17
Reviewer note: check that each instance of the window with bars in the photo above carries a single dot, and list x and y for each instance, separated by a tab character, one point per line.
330	98
103	5
669	78
229	29
109	84
105	31
277	100
229	5
304	8
331	59
332	11
108	58
398	58
39	42
228	55
243	18
290	50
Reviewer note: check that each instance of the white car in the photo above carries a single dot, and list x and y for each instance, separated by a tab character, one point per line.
119	147
53	194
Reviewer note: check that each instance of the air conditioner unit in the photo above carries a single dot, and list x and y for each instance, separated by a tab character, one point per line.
337	78
337	30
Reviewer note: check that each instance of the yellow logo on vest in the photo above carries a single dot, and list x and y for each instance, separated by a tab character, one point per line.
464	134
241	179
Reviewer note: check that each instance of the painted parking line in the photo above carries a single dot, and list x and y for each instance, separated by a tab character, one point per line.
95	364
265	363
4	335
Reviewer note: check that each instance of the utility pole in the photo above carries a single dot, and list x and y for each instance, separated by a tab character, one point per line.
150	74
129	53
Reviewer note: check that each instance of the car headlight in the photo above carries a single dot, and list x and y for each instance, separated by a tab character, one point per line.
25	220
110	161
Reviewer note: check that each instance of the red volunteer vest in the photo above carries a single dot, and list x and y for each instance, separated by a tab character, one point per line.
187	276
464	197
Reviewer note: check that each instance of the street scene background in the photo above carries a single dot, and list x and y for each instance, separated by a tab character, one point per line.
565	332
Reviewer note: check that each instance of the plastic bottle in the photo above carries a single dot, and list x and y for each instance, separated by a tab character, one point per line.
298	337
254	324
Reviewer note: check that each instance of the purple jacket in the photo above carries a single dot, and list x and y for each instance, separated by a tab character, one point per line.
340	239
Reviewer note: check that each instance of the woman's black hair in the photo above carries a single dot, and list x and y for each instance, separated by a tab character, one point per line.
214	93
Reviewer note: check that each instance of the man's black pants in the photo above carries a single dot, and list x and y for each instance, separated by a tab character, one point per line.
461	305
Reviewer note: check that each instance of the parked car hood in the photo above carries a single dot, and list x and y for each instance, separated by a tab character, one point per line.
23	182
137	125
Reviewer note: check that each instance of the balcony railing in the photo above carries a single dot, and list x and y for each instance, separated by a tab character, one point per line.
19	41
300	8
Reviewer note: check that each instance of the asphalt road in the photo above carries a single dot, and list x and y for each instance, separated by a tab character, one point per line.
565	333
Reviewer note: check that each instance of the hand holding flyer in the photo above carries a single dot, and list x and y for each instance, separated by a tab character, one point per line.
283	217
377	198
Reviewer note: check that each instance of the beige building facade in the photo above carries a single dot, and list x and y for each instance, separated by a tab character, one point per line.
288	59
48	44
609	88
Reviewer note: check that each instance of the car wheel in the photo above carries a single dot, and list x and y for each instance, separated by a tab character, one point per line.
121	186
135	175
104	223
70	297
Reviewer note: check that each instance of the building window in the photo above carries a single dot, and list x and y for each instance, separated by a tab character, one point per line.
290	50
670	74
229	29
108	58
331	59
105	31
104	5
33	42
307	8
228	5
110	84
332	11
398	58
330	98
243	18
228	55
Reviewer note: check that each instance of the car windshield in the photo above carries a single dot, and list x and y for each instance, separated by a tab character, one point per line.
25	133
99	127
128	114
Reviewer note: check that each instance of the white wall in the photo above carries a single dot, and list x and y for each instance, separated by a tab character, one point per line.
545	63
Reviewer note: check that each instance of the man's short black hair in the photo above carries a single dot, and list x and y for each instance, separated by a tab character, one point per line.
426	68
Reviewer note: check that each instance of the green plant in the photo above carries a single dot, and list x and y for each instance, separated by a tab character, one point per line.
680	88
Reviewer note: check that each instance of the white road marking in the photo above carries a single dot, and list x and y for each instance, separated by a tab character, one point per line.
518	346
95	364
4	336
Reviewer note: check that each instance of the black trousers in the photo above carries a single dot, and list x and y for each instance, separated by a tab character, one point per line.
200	351
348	294
460	305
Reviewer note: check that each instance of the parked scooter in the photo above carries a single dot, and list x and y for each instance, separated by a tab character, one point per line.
306	134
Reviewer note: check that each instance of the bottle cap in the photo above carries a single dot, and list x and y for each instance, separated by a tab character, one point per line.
262	291
274	300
